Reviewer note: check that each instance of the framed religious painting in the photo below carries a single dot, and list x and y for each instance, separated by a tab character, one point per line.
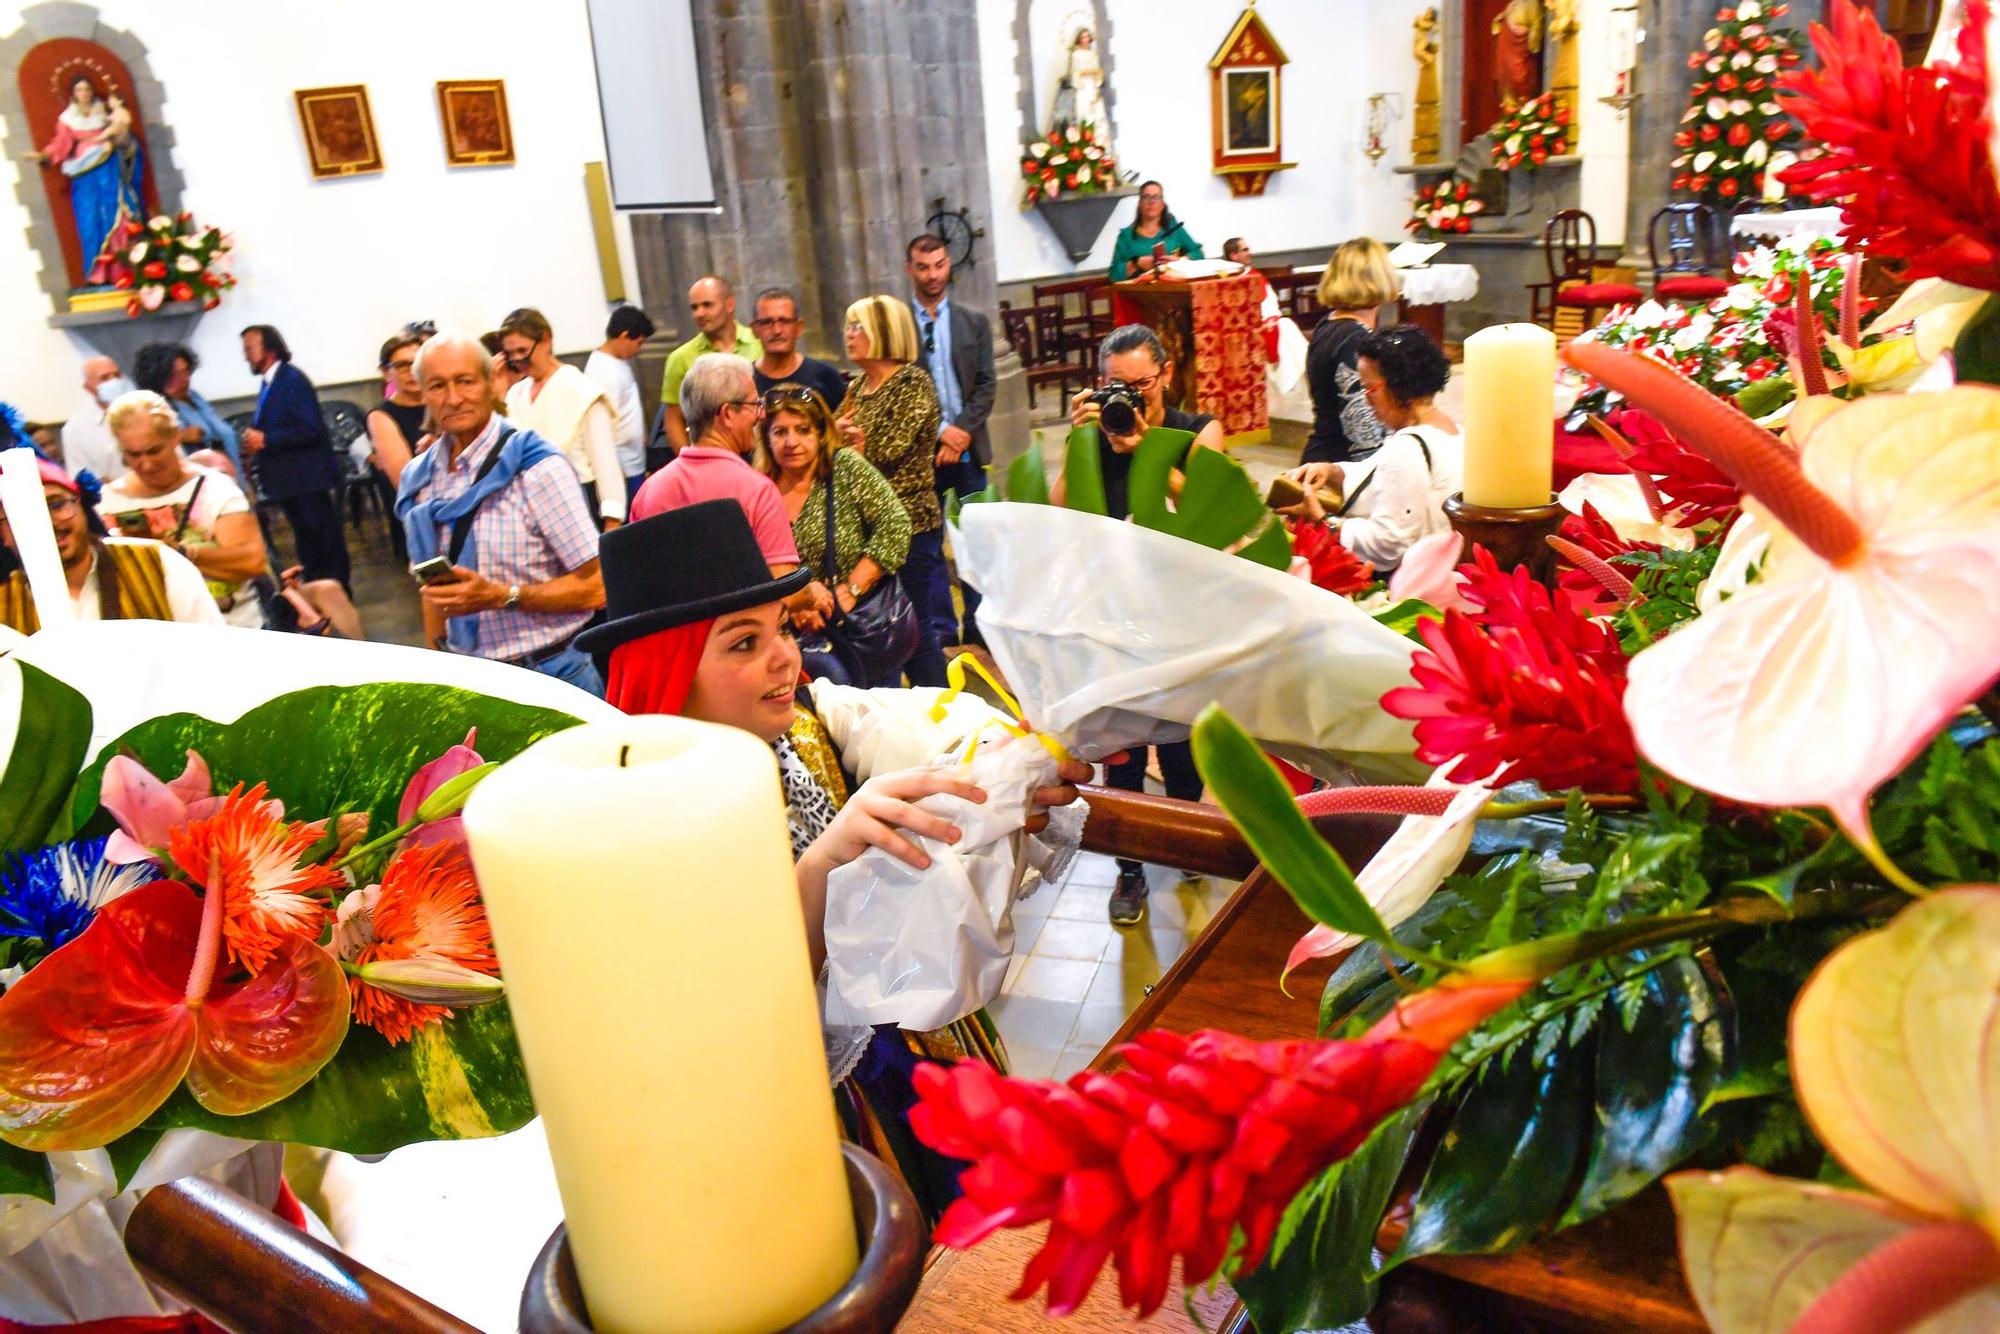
1246	99
339	130
473	113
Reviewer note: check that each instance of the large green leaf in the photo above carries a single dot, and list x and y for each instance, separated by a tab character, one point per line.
1028	480
1083	472
1153	464
1219	505
50	741
1976	354
1653	1077
457	1080
25	1172
1321	1273
331	749
1504	1165
1250	788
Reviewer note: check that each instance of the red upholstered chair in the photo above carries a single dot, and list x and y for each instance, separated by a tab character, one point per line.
1684	235
1569	245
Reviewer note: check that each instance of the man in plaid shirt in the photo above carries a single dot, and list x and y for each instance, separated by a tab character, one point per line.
504	507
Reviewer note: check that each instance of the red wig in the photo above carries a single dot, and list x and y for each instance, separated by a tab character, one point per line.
655	674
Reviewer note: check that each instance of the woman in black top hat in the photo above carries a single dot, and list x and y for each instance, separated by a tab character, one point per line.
710	639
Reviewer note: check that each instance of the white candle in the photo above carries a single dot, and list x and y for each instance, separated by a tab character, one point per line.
27	510
638	876
1510	415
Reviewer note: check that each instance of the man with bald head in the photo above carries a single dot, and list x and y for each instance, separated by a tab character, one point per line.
501	506
87	441
713	306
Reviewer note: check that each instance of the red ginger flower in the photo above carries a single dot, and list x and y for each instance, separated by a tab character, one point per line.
1522	688
1334	567
1591	541
1690	487
427	908
250	856
1905	150
1169	1155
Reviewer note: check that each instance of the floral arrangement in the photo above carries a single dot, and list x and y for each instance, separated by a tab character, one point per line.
296	898
1445	208
1733	923
1735	346
1530	134
1734	121
172	259
1069	160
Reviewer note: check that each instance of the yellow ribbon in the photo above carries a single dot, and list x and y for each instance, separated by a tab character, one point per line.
954	674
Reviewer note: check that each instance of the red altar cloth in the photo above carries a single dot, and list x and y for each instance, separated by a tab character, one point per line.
1579	452
1228	363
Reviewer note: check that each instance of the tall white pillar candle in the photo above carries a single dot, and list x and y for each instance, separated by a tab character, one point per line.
1510	416
638	876
27	511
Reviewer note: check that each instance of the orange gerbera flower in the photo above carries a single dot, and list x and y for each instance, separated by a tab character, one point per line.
250	856
428	909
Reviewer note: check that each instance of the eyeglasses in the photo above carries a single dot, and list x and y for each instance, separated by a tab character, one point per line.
756	403
403	365
772	322
1144	384
61	507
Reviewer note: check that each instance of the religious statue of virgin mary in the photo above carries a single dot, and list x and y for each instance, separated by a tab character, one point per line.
102	160
1080	95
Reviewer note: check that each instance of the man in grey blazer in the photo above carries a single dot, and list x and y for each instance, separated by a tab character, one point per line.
957	346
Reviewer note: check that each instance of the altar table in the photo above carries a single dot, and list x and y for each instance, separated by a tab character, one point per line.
1774	227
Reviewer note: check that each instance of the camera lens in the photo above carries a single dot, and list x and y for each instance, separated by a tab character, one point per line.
1118	416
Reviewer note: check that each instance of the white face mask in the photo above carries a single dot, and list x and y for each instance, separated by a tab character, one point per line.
112	388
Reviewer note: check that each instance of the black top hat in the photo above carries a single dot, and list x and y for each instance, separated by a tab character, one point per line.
682	565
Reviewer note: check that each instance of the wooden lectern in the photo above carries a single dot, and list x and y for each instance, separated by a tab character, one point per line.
1212	331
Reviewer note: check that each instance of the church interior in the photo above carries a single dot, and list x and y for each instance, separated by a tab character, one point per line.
845	665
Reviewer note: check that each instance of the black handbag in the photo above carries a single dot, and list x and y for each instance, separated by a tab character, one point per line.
882	631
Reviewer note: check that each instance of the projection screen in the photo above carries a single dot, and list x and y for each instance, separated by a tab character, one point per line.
649	95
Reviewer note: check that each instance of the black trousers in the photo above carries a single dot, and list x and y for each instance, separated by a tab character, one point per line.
320	536
1183	780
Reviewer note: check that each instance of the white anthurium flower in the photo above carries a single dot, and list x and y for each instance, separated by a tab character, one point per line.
188	264
151	297
1741	60
1714	66
161	223
1083	176
1744	547
1688	339
137	253
1730	164
1402	876
1649	315
1616	496
1712	38
1703	161
1936	309
1756	153
1740	107
1717	108
1039	150
1749	9
1769	108
1767	64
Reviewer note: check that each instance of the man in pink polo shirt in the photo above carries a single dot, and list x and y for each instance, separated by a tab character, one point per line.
720	403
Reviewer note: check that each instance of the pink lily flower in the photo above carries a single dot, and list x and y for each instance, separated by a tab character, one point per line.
460	759
147	810
1877	615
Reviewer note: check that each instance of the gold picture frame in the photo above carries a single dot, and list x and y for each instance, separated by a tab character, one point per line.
473	115
339	130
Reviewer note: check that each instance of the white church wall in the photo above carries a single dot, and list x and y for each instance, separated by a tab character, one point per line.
1340	53
339	264
1604	133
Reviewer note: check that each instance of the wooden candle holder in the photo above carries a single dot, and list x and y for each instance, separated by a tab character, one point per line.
886	1222
1516	537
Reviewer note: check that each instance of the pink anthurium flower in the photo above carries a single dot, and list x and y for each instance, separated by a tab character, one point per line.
460	759
1892	1054
1403	874
1429	572
147	810
1876	616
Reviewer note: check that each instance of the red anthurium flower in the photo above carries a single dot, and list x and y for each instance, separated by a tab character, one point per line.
1331	565
1521	688
250	858
1193	1138
1710	132
98	1035
154	269
427	908
1905	150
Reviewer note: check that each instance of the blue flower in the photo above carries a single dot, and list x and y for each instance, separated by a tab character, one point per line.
51	894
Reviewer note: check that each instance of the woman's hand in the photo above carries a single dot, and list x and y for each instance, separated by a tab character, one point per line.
1062	793
1083	412
852	436
845	600
884	808
1311	477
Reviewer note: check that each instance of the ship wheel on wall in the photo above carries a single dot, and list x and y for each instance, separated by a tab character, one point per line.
956	229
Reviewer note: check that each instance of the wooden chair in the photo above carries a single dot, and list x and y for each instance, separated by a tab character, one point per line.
1569	247
1685	235
1034	332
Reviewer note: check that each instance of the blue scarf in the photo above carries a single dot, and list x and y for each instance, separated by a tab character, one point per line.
518	451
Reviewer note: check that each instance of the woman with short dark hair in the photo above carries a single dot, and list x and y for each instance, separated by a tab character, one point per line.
1420	464
168	370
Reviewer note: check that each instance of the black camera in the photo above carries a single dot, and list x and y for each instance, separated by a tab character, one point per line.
1120	408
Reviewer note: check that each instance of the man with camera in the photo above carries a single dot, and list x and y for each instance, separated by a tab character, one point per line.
1131	402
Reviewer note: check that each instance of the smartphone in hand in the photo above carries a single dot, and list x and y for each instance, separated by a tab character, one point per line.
436	570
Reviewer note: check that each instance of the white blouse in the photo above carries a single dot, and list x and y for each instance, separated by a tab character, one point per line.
1403	498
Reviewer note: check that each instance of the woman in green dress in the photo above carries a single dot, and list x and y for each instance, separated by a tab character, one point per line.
710	639
1154	226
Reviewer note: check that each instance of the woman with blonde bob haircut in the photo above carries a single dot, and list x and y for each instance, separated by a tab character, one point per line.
896	406
1358	282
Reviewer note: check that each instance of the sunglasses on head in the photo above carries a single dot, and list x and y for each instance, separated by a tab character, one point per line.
778	398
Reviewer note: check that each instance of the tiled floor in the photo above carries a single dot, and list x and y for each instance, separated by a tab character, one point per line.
1075	976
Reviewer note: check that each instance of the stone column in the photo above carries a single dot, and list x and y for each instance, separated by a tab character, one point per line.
836	127
1673	28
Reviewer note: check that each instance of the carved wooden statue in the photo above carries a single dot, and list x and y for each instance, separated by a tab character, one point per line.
1563	36
1424	144
1517	52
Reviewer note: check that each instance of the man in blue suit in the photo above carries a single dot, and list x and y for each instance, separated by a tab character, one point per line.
296	466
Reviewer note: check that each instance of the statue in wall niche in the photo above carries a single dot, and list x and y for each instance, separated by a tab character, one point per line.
1563	25
1517	52
1080	95
1424	144
81	111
